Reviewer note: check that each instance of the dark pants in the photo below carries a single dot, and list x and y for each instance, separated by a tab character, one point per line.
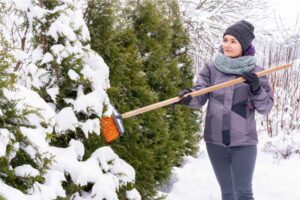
233	167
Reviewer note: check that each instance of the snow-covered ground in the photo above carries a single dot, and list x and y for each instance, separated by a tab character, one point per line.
273	178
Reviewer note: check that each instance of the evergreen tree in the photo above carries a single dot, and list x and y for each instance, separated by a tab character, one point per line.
13	152
185	119
163	42
143	70
63	72
146	134
63	127
59	71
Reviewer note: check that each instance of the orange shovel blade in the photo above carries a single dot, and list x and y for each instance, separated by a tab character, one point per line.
109	129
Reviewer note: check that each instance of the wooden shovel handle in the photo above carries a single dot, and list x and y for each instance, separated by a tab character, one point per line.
200	92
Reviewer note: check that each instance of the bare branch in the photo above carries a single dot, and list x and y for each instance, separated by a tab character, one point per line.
206	20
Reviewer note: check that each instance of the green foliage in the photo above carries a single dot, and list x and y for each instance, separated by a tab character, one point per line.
143	47
58	77
70	187
7	79
58	70
12	119
9	177
2	197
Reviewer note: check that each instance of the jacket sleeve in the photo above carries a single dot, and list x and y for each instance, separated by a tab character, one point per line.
263	101
203	81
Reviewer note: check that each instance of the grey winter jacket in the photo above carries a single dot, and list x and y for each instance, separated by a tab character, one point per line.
230	113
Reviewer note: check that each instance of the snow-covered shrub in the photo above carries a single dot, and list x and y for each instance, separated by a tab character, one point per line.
60	137
279	131
283	146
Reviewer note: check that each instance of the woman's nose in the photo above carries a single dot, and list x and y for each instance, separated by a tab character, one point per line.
226	44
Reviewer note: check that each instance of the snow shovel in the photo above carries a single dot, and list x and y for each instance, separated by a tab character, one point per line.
112	127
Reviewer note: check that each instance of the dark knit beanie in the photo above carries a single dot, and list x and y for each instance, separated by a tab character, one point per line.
243	31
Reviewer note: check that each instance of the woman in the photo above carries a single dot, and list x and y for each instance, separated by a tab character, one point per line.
230	127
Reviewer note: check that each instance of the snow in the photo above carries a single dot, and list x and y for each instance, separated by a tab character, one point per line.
103	169
23	4
37	54
12	193
57	51
112	172
65	120
26	170
86	103
47	58
273	179
133	195
60	28
96	71
90	126
82	172
38	76
37	138
53	92
37	12
73	75
5	137
19	54
277	170
32	100
287	11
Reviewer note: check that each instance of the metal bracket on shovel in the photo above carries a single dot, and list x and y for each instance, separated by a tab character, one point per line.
117	117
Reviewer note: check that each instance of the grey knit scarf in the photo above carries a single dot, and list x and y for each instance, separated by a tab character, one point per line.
234	65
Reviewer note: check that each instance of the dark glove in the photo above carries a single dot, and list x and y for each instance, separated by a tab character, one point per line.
185	100
253	81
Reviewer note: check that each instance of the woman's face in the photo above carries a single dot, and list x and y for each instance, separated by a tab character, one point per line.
231	46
